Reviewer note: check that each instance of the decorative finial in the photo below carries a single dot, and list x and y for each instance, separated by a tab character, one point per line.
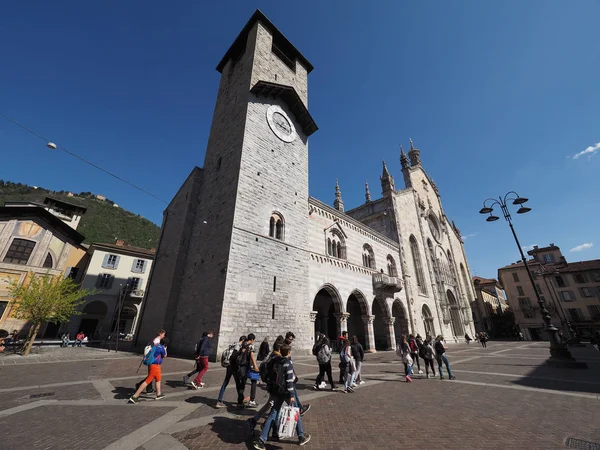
367	192
385	170
338	203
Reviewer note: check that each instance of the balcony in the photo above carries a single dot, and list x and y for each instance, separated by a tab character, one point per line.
136	293
386	283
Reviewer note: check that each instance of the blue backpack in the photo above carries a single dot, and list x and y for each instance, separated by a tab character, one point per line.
148	355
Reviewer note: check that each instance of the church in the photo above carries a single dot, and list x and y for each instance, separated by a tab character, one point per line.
244	248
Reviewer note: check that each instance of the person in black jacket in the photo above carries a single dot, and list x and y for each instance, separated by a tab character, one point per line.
264	349
201	354
359	354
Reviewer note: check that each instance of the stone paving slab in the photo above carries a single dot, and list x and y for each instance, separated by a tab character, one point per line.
75	392
72	427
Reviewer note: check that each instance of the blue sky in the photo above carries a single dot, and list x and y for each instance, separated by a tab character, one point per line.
498	96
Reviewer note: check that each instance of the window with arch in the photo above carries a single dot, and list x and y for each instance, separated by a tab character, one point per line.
276	227
434	227
416	256
48	262
368	257
336	245
428	321
391	266
463	272
19	251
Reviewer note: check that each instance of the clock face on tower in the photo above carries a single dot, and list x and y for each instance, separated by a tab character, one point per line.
280	124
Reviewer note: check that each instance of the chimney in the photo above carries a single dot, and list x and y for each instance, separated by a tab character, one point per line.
121	243
535	247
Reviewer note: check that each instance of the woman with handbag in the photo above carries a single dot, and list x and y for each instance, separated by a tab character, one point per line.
347	360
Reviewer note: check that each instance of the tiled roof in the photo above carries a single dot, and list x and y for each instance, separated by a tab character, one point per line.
127	248
484	280
579	266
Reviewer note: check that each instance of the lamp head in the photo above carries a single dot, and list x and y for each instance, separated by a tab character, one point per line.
492	218
51	145
520	200
523	210
485	210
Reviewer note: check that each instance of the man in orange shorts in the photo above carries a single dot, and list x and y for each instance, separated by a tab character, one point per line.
154	372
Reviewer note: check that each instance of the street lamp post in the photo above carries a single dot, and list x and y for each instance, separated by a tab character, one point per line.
560	355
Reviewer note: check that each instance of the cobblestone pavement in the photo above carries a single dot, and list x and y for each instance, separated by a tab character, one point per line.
504	397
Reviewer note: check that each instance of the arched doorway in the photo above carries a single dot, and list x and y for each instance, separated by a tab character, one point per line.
401	323
457	326
428	321
357	308
94	314
380	327
327	304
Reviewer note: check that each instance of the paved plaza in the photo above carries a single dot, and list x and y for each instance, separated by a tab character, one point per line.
503	397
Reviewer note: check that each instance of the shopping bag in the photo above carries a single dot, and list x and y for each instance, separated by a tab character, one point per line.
288	420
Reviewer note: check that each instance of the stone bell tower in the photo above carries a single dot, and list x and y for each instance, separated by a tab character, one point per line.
243	225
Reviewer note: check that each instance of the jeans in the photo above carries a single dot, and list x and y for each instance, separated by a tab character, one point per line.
415	358
325	369
253	384
264	412
357	377
228	375
444	358
278	402
202	366
428	364
408	371
349	375
240	384
296	399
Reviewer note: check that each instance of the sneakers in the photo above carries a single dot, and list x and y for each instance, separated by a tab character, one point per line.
350	389
133	400
194	385
259	445
441	377
323	385
304	439
251	425
420	371
361	382
354	385
202	384
333	388
185	380
453	377
220	405
251	404
316	388
158	397
305	409
408	379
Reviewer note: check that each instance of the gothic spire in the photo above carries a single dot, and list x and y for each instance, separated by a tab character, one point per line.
415	155
338	203
387	181
385	173
403	158
367	192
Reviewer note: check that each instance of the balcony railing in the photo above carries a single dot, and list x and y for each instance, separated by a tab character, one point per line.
385	282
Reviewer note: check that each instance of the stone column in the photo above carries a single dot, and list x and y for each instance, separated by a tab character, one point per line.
313	318
391	333
342	322
369	333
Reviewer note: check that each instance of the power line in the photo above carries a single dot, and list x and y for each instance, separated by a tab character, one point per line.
10	119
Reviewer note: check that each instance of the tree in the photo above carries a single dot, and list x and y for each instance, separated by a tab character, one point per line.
45	299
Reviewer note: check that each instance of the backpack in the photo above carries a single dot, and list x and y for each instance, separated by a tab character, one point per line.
414	348
322	357
148	355
439	348
344	358
263	369
275	378
226	355
315	350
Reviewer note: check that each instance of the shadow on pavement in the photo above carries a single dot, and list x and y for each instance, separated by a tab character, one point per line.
232	431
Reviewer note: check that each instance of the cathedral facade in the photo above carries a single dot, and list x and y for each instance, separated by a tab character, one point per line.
244	248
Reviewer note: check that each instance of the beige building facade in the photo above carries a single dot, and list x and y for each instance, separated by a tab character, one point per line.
490	302
244	248
571	291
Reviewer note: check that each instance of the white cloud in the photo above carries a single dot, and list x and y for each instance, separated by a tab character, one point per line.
582	247
591	151
528	247
464	238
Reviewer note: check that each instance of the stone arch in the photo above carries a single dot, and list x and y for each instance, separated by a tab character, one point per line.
457	326
277	226
401	323
368	257
391	266
358	310
428	321
383	325
328	312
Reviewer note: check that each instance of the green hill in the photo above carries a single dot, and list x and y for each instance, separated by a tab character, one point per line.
102	222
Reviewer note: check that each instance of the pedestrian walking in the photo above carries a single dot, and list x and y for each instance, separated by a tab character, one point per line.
358	353
427	353
228	370
160	335
264	349
405	353
467	338
240	361
289	340
348	364
159	352
323	353
414	351
483	340
201	353
282	389
253	371
440	354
